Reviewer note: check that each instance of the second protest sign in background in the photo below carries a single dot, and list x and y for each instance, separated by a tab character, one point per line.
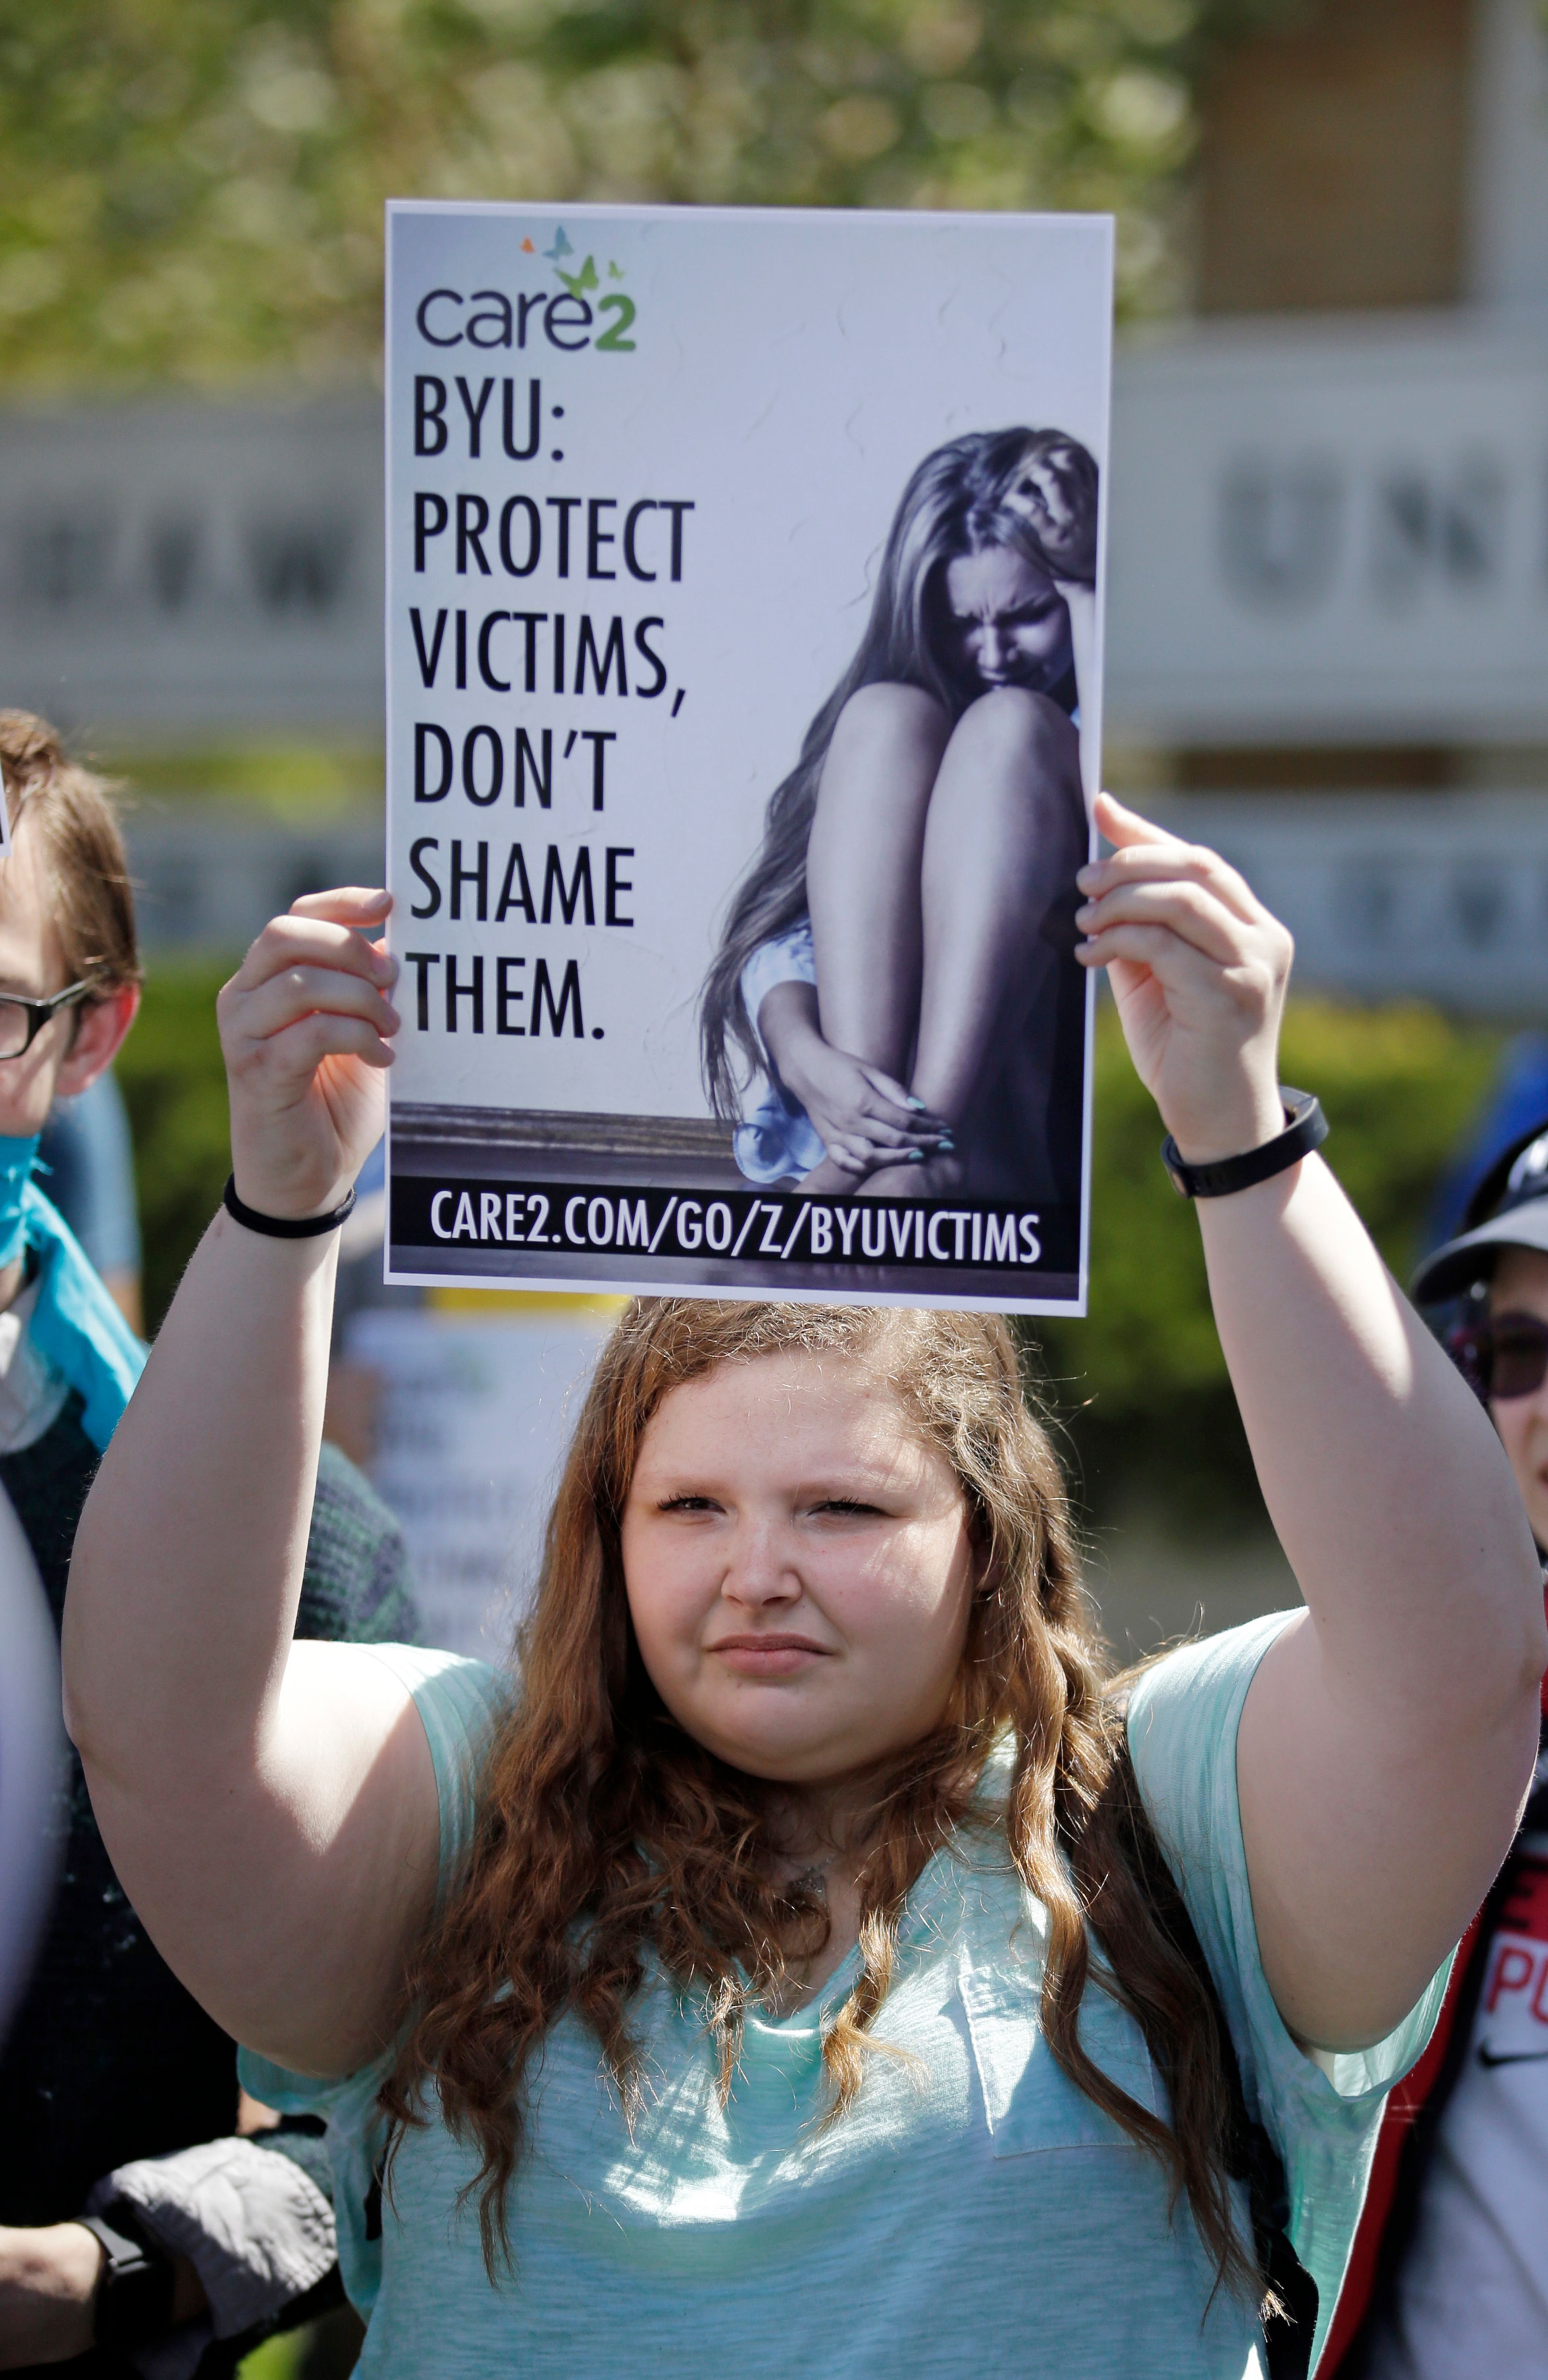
744	676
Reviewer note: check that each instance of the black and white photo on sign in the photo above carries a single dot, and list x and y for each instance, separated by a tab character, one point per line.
744	655
890	971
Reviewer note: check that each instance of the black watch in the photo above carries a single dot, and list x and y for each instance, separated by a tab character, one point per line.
133	2301
1306	1128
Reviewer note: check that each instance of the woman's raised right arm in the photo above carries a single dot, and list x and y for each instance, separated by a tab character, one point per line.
270	1808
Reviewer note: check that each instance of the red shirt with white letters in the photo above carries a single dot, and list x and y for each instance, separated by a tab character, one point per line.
1471	2294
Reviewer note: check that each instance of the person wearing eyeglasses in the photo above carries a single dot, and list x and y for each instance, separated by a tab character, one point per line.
133	2221
1448	2277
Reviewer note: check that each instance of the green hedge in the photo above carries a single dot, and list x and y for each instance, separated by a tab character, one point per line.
1142	1382
174	1086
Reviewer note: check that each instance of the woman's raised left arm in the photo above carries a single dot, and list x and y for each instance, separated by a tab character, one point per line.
1388	1739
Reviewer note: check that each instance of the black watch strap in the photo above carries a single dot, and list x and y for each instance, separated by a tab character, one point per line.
134	2292
1306	1128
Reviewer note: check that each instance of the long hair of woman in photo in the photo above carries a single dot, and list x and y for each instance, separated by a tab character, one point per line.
608	1836
894	973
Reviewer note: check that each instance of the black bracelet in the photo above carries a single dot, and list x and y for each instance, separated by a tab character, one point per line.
1306	1129
283	1227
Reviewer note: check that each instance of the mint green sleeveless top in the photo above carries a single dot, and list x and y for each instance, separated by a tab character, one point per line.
972	2213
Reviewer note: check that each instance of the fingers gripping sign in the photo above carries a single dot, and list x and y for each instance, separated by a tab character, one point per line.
306	1028
1199	970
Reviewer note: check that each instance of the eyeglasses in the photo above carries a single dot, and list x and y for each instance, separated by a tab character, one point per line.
1505	1356
21	1021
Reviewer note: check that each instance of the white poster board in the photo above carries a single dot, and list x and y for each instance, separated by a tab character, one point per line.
744	586
474	1414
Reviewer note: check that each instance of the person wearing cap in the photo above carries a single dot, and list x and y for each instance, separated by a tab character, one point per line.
1448	2277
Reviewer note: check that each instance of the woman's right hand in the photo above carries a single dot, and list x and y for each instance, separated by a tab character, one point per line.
306	1029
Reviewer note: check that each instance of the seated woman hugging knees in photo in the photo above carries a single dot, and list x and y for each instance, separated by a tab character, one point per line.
893	996
805	1956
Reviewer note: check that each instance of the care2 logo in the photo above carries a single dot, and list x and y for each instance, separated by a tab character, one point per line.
567	319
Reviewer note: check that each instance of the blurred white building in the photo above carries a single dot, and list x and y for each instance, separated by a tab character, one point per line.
1329	619
1328	638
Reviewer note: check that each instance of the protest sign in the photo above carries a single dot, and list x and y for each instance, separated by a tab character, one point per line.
744	598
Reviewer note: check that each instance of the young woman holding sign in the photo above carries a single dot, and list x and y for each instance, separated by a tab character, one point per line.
896	972
790	1969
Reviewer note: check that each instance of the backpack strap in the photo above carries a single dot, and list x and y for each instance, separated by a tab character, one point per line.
1289	2315
1290	2323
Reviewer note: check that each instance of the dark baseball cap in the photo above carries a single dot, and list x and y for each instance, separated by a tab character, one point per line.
1508	1209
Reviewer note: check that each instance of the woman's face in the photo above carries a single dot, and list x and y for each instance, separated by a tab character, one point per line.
798	1566
1010	617
1520	1286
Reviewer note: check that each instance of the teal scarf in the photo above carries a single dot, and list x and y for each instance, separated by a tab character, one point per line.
75	1322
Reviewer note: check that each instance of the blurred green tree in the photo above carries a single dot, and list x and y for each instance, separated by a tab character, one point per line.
191	190
172	1079
1142	1382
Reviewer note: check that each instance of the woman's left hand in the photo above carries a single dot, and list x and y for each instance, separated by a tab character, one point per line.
1198	970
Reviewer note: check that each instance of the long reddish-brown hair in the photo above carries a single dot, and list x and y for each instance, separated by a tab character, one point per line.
606	1831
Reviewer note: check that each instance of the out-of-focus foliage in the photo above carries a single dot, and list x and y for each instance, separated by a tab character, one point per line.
324	2350
305	779
191	189
1142	1381
174	1086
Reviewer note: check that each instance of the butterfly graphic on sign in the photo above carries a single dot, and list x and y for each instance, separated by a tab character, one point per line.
611	340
